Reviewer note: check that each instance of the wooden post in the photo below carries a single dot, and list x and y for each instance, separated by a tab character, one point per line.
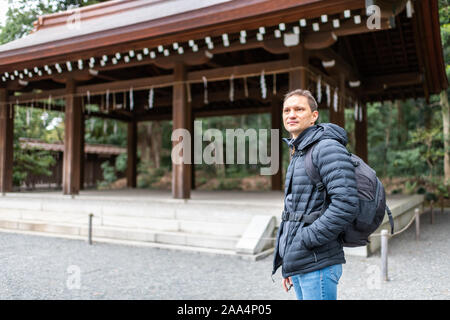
90	228
384	254
181	173
82	154
72	141
191	120
6	143
417	217
131	154
298	79
361	136
339	116
276	114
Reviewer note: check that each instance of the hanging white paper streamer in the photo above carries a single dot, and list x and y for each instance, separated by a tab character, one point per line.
360	114
88	102
131	99
105	126
356	111
328	94
32	107
245	87
232	88
115	127
188	91
335	100
107	100
28	117
274	91
92	124
50	102
13	110
205	90
263	85
150	98
319	89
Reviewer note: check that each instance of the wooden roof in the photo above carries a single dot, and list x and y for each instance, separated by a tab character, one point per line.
104	149
394	62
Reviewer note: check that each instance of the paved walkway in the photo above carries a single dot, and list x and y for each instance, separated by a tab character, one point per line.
38	267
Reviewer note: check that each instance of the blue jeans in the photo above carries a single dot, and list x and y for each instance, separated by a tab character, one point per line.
318	285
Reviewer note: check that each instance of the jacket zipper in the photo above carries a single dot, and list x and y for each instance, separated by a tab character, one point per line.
293	168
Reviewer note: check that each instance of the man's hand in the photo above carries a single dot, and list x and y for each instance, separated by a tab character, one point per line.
287	284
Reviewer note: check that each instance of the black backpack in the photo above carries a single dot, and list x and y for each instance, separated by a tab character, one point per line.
372	201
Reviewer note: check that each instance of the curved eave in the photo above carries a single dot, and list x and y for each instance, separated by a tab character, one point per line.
231	16
432	45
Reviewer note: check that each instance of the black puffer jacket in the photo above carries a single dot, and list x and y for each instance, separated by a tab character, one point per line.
303	248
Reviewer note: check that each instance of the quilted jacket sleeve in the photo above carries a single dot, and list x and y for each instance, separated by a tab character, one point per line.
338	176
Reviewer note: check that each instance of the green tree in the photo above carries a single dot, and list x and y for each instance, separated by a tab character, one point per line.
34	123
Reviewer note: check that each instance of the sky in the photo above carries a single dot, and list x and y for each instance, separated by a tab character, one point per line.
3	9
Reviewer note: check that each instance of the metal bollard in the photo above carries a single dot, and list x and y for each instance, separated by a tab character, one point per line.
384	254
417	217
431	212
90	228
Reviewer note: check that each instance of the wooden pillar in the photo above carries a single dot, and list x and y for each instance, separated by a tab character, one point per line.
191	130
72	141
131	154
82	154
6	143
339	116
276	118
361	136
181	173
298	79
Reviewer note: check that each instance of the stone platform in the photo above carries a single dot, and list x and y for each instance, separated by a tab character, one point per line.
220	222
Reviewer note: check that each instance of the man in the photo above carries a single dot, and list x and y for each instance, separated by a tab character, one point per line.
308	245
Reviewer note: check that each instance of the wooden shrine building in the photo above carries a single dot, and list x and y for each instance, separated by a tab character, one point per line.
142	60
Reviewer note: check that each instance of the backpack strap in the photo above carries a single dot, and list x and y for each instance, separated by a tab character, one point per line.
391	220
314	175
311	169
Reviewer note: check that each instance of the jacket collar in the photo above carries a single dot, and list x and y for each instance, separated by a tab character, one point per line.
296	144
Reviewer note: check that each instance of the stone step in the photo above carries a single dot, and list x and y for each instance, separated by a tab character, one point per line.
190	210
234	229
123	233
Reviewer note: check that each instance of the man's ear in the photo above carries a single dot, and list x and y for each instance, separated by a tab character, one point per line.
316	115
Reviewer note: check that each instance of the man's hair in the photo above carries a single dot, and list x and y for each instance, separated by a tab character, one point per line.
304	93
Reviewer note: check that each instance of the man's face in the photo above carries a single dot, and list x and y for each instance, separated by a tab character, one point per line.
297	115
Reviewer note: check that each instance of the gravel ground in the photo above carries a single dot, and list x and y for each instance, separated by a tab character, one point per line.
36	267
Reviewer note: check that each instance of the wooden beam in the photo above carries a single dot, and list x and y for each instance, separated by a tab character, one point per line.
237	71
338	117
72	141
126	85
341	64
232	17
381	83
277	123
181	173
6	143
388	8
298	58
82	153
361	136
131	154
